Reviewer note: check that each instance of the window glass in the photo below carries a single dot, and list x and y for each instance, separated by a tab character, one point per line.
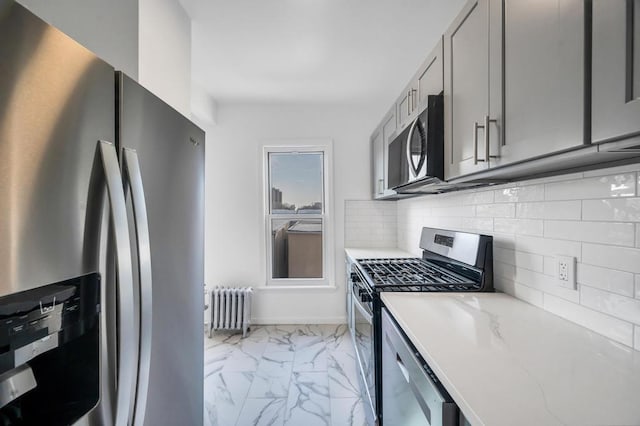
296	182
296	248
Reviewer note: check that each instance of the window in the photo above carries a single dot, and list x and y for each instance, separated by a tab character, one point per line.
296	215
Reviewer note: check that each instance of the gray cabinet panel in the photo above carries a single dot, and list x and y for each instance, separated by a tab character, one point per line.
380	140
466	46
377	164
429	79
404	107
543	78
616	74
388	129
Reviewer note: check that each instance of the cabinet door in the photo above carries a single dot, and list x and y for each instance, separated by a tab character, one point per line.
377	164
616	70
429	80
466	65
404	107
543	78
388	128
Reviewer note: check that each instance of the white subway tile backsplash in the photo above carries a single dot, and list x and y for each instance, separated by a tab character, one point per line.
505	270
638	286
507	241
613	328
558	210
520	226
618	185
636	338
496	210
520	194
481	197
528	294
548	246
457	211
606	279
370	224
543	283
624	308
594	232
478	224
612	209
551	266
534	262
621	258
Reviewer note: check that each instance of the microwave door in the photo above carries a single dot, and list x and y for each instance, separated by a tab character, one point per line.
416	149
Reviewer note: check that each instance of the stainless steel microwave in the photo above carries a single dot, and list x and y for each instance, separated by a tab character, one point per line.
416	155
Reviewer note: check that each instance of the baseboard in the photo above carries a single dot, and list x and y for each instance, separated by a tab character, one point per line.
298	320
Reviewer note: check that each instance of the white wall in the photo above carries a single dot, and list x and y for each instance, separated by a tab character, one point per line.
594	216
165	52
234	251
107	28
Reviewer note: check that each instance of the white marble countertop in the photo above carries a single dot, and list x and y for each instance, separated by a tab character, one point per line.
506	362
376	253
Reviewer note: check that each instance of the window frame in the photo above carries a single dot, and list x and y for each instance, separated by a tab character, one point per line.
300	145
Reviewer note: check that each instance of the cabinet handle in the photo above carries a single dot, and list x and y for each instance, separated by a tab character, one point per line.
476	126
485	126
380	186
487	121
409	103
414	98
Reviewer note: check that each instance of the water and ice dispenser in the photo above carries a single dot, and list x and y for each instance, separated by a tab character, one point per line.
49	353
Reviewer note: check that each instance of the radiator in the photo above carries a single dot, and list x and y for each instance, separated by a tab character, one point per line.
230	309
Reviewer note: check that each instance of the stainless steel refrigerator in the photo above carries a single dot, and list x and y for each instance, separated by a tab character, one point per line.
99	181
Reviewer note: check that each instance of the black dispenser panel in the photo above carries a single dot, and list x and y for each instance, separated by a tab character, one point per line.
49	353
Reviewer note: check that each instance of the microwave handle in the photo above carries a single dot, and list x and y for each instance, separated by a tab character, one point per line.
413	172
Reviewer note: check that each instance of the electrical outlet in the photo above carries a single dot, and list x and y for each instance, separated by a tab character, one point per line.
567	271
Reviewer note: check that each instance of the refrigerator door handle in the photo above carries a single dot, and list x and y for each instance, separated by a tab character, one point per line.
133	179
127	345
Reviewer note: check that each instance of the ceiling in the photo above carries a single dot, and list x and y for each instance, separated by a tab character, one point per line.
312	51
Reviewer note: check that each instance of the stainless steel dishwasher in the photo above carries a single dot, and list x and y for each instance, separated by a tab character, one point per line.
411	393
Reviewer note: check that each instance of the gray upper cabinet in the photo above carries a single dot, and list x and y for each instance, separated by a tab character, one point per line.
543	79
429	78
466	94
405	106
377	163
615	70
427	81
389	125
380	140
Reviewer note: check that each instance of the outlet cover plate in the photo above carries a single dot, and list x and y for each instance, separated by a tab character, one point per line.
566	273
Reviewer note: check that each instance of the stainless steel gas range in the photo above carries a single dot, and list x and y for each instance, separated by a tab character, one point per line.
451	261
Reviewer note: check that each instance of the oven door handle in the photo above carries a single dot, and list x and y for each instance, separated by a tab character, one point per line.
363	311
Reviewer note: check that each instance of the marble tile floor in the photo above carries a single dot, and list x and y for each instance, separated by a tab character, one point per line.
282	375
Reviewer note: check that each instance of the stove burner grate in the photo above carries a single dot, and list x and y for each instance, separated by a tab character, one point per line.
413	274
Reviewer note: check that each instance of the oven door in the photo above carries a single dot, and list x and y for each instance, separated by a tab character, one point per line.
362	334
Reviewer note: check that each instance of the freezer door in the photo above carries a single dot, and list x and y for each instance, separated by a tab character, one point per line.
170	151
56	102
